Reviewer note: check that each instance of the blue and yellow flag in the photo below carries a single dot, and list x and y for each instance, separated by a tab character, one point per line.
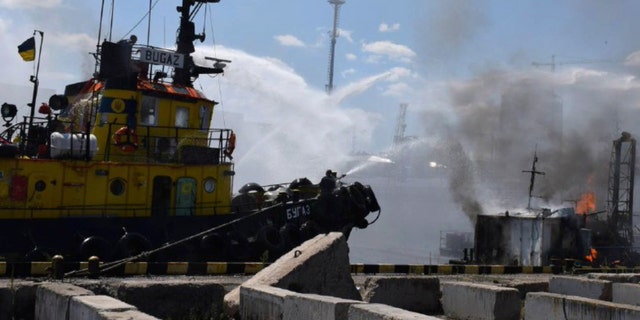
27	49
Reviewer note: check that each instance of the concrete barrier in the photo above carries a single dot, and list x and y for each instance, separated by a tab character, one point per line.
125	315
92	307
581	286
262	302
616	277
53	299
319	265
316	307
553	306
171	298
627	293
466	300
417	294
375	311
17	299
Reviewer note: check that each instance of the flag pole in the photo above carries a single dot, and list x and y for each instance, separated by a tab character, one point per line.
35	81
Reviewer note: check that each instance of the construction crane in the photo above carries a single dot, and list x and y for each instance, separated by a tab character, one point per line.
553	62
401	125
334	36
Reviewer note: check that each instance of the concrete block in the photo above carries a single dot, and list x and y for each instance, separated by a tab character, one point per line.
90	307
466	300
127	315
52	300
527	286
413	293
553	306
17	299
376	311
627	293
316	307
319	265
172	298
616	277
262	302
581	286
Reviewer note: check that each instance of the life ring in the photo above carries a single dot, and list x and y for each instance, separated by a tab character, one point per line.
231	145
128	144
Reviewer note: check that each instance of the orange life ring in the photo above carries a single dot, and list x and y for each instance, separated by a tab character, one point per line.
128	144
231	145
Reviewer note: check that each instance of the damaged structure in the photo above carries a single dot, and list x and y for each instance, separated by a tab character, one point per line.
538	237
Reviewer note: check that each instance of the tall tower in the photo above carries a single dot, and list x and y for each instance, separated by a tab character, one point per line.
401	125
334	36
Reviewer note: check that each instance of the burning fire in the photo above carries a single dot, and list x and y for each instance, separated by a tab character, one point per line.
587	203
591	257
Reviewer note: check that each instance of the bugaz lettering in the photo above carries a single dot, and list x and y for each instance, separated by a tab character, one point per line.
161	57
295	212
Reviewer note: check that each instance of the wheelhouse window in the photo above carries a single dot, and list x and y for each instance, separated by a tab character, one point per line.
205	117
182	117
149	111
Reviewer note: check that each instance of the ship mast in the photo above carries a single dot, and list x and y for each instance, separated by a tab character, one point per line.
186	36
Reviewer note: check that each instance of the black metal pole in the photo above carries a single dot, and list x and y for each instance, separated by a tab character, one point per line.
35	80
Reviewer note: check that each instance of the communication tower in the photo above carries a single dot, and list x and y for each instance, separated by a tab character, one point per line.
334	36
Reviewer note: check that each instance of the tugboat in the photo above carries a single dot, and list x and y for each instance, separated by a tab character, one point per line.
125	163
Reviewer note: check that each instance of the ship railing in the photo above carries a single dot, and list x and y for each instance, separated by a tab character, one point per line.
166	144
146	144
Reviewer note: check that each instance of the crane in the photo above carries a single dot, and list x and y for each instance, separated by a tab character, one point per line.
401	125
334	36
553	62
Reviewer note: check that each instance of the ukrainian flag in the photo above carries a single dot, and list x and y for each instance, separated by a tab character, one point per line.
27	49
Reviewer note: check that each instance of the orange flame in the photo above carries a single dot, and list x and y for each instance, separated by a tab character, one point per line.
592	256
587	203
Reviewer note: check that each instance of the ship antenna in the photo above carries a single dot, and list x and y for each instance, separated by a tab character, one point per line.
533	172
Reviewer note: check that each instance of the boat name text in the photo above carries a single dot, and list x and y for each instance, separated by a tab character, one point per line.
155	56
297	211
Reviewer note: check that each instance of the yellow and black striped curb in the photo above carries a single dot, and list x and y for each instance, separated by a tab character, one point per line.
39	269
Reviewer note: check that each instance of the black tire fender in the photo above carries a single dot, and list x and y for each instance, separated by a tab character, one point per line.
37	254
96	246
372	201
213	246
270	239
132	244
309	230
238	248
290	234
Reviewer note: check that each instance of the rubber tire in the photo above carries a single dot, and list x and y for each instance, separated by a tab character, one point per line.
132	244
96	246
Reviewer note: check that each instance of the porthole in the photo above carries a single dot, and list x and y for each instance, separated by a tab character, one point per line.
40	185
209	185
117	187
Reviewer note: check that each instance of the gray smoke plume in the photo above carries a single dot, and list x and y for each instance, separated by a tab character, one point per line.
500	120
